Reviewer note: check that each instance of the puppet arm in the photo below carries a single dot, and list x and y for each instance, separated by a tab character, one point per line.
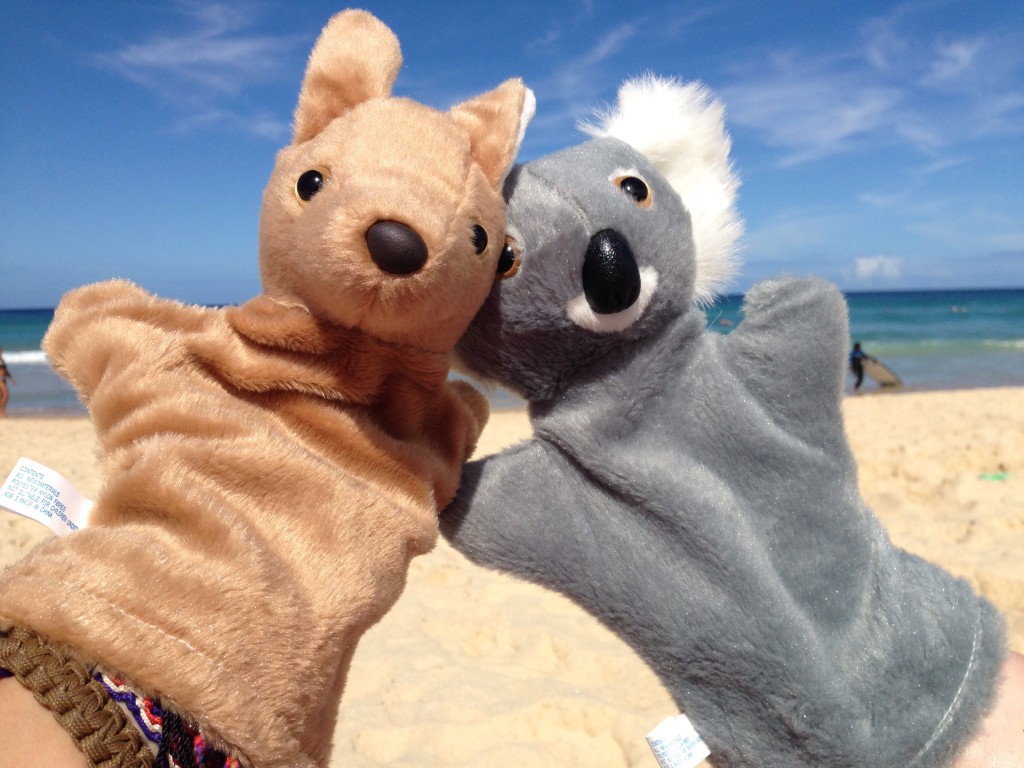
500	516
790	349
795	328
479	410
110	325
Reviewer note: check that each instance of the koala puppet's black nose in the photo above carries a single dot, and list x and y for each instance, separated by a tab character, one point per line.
395	247
611	277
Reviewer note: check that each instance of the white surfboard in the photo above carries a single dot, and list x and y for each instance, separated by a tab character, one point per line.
881	373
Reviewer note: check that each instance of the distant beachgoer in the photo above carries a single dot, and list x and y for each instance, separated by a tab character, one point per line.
857	358
5	392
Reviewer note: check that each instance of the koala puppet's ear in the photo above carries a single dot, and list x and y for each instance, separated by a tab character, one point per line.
496	123
355	59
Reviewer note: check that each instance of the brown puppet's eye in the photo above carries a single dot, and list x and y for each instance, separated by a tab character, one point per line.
508	259
479	239
636	188
309	184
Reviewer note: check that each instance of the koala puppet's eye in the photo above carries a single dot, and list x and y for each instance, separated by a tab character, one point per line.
636	188
509	259
309	184
479	239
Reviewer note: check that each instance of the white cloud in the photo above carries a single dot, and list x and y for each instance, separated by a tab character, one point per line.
896	87
544	41
219	62
216	53
953	59
881	44
263	124
938	165
571	90
606	46
203	68
914	130
870	267
812	116
1002	114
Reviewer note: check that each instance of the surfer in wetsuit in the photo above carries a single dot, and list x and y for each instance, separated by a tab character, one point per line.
857	358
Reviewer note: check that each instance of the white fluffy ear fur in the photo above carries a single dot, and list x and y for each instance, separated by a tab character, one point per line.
680	128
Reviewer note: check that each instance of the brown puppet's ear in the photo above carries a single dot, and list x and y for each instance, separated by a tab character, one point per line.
355	59
496	123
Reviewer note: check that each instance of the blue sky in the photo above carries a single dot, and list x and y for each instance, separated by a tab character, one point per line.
881	145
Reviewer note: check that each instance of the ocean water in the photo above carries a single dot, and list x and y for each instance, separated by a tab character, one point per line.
952	339
943	339
36	388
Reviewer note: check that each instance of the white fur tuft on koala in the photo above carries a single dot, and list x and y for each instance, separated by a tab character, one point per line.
680	128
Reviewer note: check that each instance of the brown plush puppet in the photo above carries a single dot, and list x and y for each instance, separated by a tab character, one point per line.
270	469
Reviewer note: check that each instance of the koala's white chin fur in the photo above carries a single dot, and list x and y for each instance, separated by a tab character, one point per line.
579	310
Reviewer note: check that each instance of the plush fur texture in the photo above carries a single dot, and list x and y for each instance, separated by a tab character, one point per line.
696	492
272	468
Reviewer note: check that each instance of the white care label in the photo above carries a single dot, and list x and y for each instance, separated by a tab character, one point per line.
40	493
676	743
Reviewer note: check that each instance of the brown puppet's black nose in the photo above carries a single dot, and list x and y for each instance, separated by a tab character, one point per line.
396	248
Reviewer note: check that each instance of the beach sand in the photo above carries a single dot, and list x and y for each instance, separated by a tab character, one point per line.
473	668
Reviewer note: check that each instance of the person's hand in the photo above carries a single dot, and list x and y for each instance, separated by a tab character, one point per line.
1000	741
29	732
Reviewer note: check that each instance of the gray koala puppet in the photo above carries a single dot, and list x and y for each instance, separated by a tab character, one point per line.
695	491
